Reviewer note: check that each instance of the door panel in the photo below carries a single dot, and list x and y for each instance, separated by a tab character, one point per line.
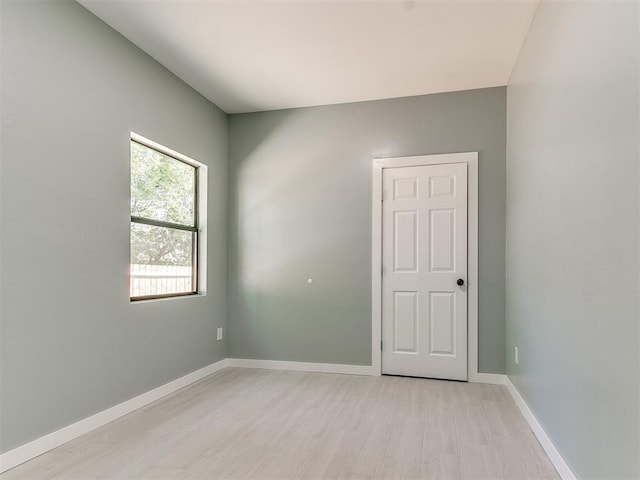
442	246
424	245
405	319
405	241
442	334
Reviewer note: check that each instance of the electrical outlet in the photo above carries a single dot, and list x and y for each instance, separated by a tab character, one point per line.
220	333
516	356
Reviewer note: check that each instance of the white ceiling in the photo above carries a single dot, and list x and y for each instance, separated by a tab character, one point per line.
254	55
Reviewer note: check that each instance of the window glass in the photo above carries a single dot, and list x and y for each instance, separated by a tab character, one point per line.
162	188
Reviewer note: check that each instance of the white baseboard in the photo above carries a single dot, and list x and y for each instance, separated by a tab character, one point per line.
302	366
41	445
552	452
492	378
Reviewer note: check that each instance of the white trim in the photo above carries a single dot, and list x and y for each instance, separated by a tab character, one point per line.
491	378
30	450
302	366
471	159
552	452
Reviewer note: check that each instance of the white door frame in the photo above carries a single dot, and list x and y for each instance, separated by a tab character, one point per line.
471	159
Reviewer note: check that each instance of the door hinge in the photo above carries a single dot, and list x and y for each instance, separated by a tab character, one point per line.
380	345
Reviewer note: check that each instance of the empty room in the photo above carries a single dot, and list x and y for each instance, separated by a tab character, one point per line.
320	239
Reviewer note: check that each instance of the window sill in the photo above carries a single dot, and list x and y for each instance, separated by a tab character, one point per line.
164	299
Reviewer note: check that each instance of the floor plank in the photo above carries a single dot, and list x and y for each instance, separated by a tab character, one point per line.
262	424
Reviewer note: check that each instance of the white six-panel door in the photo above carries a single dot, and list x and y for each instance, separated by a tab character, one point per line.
424	255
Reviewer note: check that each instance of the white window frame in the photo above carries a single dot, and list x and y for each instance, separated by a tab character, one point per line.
201	205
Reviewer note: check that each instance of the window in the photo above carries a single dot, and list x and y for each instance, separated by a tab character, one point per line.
164	222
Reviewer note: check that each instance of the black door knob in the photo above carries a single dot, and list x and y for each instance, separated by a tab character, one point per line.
460	282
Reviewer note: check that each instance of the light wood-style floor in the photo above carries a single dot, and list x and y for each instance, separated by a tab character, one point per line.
261	424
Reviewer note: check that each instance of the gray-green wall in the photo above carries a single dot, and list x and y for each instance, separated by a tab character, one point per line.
572	232
72	344
300	207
